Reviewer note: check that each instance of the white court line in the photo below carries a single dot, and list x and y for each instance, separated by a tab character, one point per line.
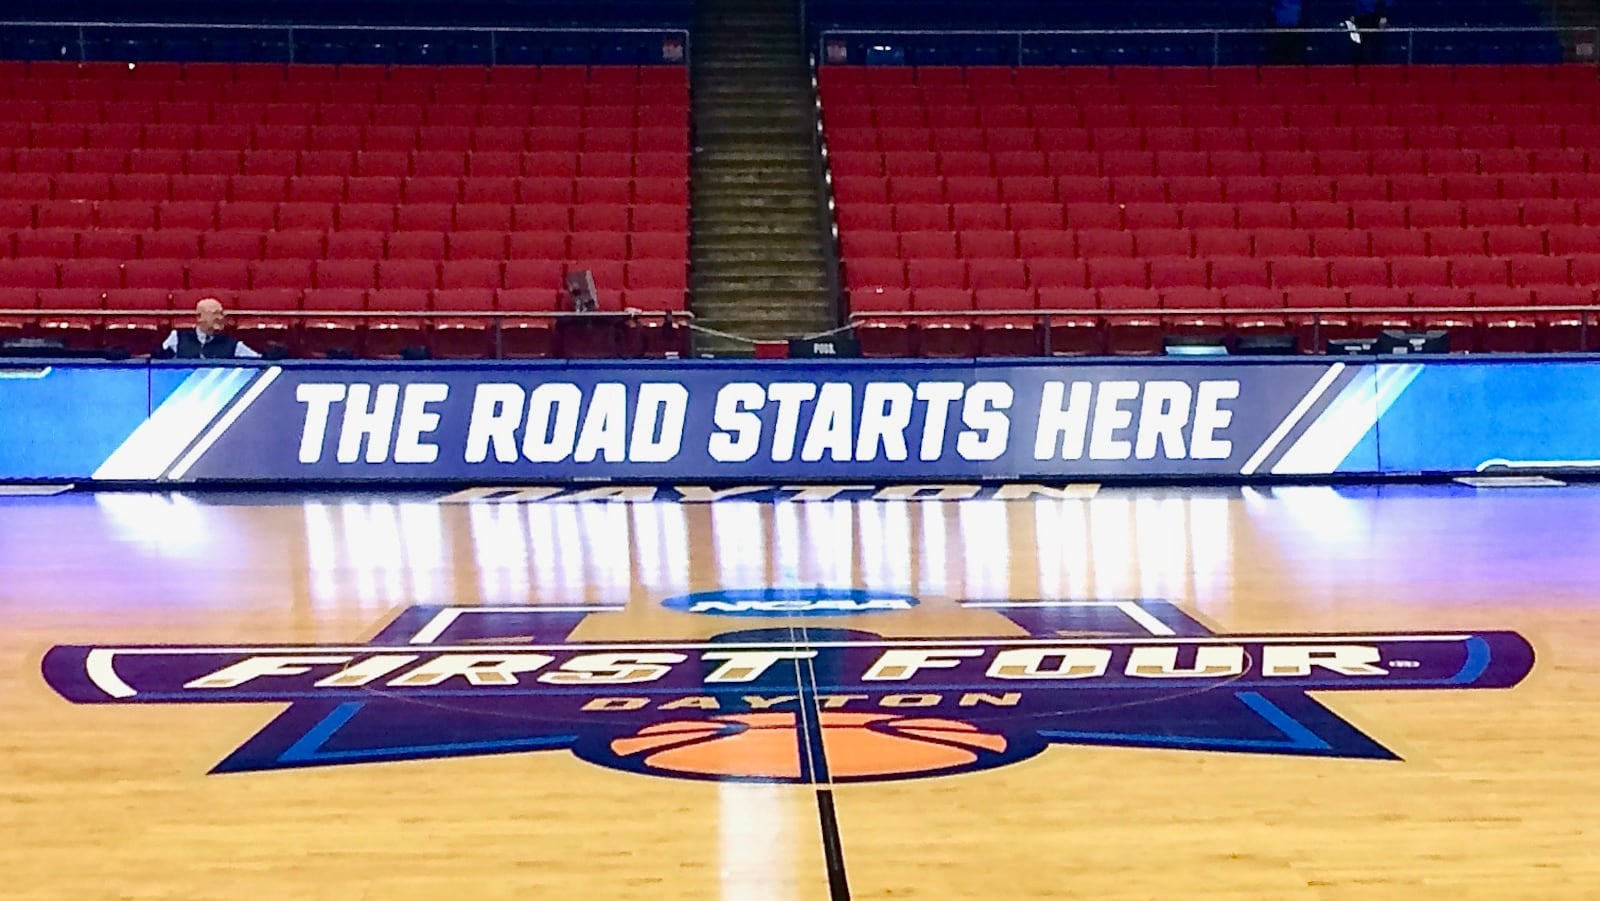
430	633
1136	613
1000	605
441	621
1146	619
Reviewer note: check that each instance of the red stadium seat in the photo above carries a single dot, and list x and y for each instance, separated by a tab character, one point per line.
1415	272
110	244
328	334
345	274
374	190
201	179
415	245
137	334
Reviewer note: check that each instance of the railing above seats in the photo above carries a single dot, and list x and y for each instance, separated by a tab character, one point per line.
342	44
1209	46
503	331
1315	324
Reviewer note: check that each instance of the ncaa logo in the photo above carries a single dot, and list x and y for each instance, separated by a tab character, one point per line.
767	602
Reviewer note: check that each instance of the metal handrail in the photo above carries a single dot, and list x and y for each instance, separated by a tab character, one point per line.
495	319
1229	312
688	316
259	26
1021	35
1063	32
289	31
146	313
1588	315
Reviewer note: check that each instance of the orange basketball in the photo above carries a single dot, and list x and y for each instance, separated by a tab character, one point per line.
768	745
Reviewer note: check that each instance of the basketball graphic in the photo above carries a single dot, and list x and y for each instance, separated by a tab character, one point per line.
779	747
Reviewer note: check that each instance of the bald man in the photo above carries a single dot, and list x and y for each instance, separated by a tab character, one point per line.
205	340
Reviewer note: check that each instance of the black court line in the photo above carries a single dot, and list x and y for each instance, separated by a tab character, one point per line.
832	847
814	765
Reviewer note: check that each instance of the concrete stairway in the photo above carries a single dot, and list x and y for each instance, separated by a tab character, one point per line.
760	242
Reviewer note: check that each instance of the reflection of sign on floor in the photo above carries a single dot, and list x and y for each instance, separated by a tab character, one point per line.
785	700
1511	482
33	490
770	603
769	493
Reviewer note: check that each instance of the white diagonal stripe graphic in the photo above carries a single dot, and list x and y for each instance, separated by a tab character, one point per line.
221	425
1355	412
1292	420
172	426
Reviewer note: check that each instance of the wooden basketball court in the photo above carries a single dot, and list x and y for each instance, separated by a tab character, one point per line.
811	793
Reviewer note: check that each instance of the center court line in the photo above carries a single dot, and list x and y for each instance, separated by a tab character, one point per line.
815	761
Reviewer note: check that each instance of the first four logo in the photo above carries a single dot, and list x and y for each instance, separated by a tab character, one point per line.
867	707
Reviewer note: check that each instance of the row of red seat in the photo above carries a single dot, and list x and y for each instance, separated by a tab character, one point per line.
55	162
238	274
556	187
600	214
448	189
1362	214
1214	138
129	245
1077	115
189	137
119	304
1130	320
868	274
1240	301
123	305
71	114
1388	77
1097	243
453	321
1280	105
1248	97
1207	189
112	91
955	336
1224	164
1213	95
116	90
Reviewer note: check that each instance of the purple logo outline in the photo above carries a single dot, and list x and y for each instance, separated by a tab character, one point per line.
810	704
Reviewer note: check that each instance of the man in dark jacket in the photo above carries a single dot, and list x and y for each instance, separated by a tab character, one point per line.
206	340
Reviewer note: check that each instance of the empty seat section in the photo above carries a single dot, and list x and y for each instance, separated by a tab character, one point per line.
1263	190
286	192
